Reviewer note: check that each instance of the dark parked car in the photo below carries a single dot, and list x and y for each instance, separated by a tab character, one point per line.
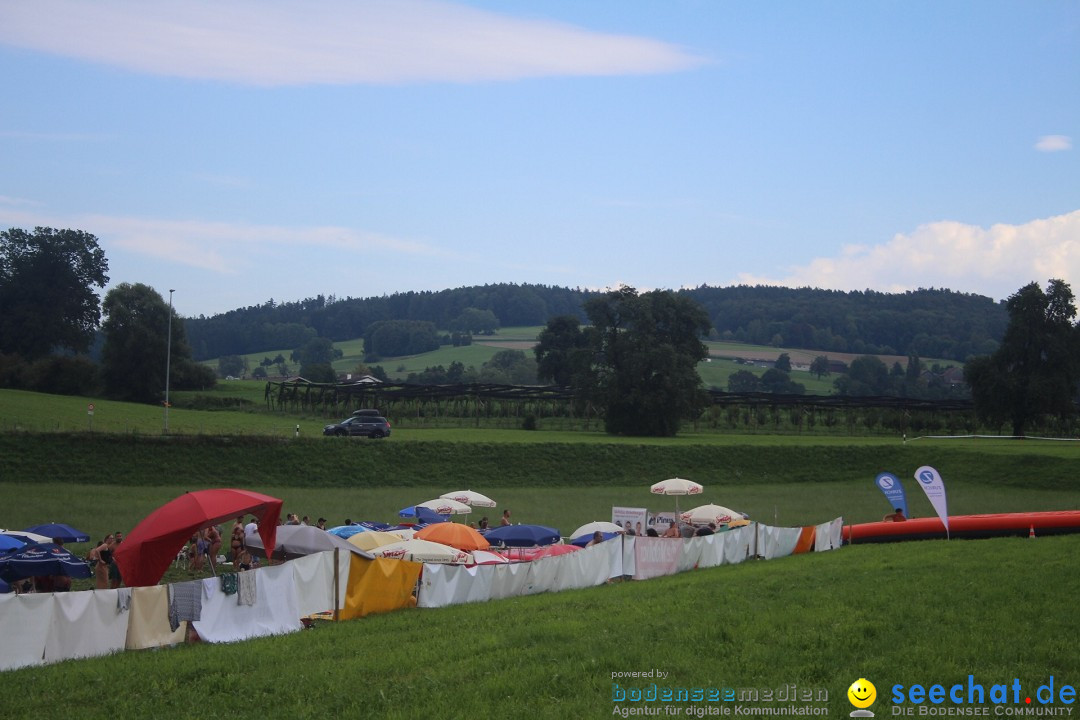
372	426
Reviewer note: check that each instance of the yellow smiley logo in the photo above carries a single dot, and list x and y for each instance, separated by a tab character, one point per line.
862	693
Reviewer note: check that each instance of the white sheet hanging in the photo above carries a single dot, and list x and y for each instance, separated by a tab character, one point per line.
85	624
275	612
24	627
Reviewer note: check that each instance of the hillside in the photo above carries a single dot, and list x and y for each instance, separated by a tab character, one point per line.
927	323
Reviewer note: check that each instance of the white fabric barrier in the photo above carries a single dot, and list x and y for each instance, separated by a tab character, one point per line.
275	612
775	542
654	557
443	585
588	567
85	624
829	535
628	566
509	580
148	620
24	627
737	543
314	576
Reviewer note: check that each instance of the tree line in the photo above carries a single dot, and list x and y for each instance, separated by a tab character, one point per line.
927	323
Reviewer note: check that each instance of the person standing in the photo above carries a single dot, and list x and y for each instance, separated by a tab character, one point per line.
505	518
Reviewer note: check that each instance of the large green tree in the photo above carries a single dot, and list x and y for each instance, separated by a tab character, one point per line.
134	355
645	351
1036	369
562	351
47	297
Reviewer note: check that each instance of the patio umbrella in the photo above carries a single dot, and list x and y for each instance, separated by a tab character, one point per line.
455	535
469	497
422	551
676	486
26	537
151	547
347	531
598	526
60	531
41	559
549	551
295	541
705	514
422	514
403	533
9	542
446	506
487	557
522	535
583	540
375	539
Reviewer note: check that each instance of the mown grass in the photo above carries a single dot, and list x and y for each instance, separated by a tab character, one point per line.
931	612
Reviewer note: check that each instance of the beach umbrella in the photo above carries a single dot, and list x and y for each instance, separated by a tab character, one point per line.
295	541
422	514
522	535
598	526
455	535
488	557
347	531
446	506
583	540
376	538
470	498
26	537
705	514
41	559
676	486
9	542
531	554
151	547
422	551
60	531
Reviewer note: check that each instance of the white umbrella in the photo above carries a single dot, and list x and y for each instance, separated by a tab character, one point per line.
705	514
469	497
422	551
676	486
403	533
295	541
445	506
486	557
598	526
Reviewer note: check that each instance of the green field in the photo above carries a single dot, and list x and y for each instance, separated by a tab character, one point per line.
930	612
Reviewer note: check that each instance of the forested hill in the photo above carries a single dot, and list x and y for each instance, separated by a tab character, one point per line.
927	323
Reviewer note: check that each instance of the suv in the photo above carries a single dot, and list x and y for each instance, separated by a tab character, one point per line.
372	426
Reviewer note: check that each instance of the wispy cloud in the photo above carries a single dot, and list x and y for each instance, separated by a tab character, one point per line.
328	41
994	261
1054	143
223	248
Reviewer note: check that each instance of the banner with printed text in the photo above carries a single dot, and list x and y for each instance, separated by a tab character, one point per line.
934	487
894	491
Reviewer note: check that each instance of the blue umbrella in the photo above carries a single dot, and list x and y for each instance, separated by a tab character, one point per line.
522	535
422	514
41	559
4	587
583	540
347	531
60	531
9	542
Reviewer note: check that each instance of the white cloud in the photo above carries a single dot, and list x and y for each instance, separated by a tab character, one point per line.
993	261
327	41
1054	143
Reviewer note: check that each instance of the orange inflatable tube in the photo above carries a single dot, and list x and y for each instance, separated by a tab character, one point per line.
1056	522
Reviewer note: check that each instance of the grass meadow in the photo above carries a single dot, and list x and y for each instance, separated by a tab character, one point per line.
926	612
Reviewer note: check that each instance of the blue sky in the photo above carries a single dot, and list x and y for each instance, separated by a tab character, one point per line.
249	150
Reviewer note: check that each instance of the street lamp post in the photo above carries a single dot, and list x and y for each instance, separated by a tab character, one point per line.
168	363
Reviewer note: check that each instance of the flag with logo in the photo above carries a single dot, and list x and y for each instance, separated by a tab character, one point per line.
934	487
894	491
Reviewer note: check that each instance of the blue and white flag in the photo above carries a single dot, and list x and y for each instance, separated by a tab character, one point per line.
894	491
934	487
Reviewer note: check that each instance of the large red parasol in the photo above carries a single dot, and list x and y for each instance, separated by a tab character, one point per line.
147	551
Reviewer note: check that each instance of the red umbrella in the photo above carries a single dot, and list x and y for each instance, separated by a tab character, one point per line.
147	551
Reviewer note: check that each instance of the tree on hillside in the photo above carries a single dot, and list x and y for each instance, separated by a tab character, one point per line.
1036	369
509	367
820	366
867	375
475	322
134	355
783	363
47	298
562	351
645	351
